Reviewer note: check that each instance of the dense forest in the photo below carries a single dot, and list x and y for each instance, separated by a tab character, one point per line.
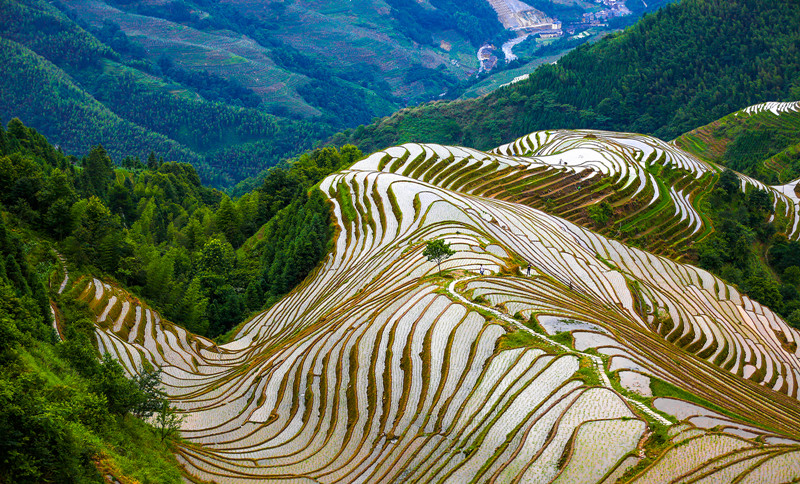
761	145
475	19
76	87
684	66
204	260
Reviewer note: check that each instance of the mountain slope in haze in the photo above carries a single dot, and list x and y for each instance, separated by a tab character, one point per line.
230	95
79	92
681	67
234	87
379	368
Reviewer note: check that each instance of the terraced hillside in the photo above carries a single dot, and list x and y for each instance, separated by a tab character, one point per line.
761	140
376	369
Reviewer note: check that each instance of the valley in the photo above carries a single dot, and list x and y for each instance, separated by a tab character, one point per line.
235	87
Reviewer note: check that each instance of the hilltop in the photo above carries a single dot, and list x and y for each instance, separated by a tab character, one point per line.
762	141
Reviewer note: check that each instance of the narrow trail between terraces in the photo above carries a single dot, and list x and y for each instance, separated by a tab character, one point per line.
53	307
598	362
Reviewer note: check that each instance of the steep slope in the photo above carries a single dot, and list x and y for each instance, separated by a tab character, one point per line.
45	96
686	65
762	141
79	92
375	369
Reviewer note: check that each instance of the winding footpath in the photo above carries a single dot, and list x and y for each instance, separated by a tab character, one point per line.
598	362
60	290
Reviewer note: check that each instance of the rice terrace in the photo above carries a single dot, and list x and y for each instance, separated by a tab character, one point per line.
565	340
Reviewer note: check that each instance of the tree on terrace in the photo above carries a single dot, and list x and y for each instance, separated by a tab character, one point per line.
437	251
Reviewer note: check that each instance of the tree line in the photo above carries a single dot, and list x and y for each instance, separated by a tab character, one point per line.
153	226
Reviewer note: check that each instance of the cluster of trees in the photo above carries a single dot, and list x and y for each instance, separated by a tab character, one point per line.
155	228
51	36
749	251
197	124
688	64
210	86
62	409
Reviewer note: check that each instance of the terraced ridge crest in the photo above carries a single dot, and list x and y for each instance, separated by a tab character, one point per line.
377	370
653	188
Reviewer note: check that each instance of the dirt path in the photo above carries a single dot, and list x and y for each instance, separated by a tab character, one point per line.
66	272
598	362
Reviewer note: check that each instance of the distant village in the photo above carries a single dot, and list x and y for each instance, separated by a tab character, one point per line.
613	9
527	21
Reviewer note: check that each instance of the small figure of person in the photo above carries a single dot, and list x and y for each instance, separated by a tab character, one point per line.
529	269
481	269
570	285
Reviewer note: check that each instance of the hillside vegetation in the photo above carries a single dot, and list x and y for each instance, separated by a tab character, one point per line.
760	141
66	415
684	66
81	92
198	256
379	367
223	89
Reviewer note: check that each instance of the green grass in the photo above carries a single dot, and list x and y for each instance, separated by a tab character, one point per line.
565	338
517	339
660	388
588	373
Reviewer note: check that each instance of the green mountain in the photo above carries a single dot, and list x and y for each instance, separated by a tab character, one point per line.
79	92
235	87
761	141
684	66
222	89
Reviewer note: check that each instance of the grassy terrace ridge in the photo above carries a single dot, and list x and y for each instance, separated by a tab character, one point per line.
760	141
377	367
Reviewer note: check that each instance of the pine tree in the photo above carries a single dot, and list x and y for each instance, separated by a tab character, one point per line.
98	172
228	223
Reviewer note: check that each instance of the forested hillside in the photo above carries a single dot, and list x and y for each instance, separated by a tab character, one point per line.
202	259
80	92
763	143
681	67
223	87
65	414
